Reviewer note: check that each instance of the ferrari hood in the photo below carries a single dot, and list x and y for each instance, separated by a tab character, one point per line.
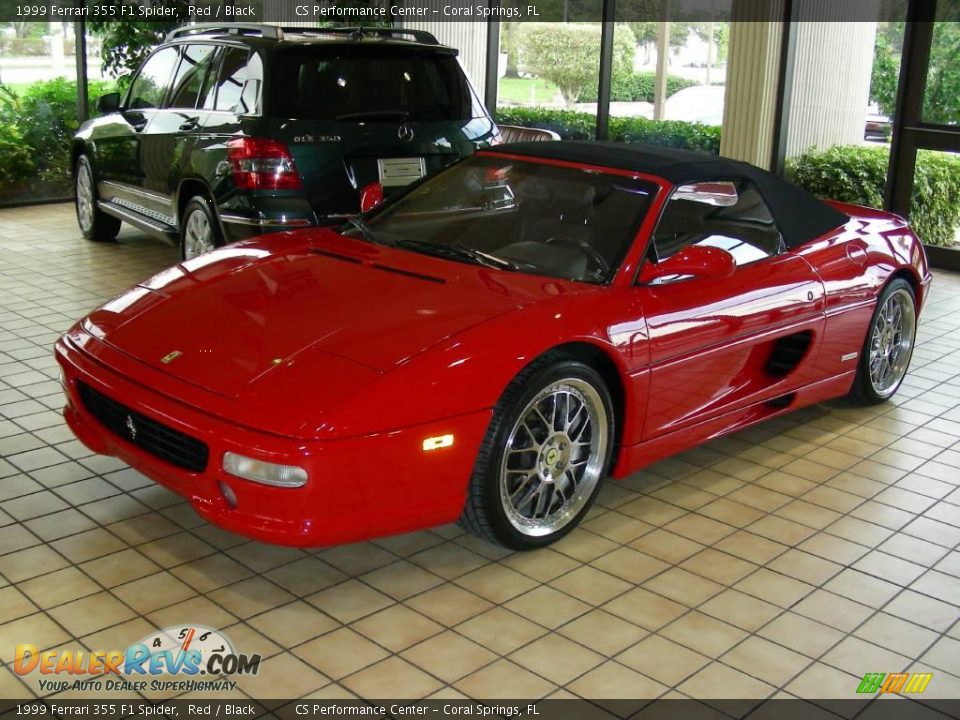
240	315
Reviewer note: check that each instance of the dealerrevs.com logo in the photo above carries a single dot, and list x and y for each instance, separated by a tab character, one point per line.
179	654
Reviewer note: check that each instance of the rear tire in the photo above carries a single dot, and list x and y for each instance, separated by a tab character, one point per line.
544	456
888	346
94	223
199	229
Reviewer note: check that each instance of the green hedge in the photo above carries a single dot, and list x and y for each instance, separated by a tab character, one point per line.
572	125
36	131
638	87
857	174
16	163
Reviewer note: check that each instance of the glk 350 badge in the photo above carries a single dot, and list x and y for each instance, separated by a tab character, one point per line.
316	138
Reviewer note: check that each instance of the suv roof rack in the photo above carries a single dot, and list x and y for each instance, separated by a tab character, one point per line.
266	31
274	32
359	32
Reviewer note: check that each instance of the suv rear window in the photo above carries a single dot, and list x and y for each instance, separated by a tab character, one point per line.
345	84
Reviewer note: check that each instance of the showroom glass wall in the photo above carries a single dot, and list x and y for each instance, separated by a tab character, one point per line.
843	112
840	95
925	156
39	109
548	73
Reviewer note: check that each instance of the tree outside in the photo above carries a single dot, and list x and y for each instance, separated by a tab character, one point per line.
941	102
568	55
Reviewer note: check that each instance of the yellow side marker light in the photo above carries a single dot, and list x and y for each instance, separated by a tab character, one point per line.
437	442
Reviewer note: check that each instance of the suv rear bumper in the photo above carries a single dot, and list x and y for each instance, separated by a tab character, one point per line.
237	226
244	215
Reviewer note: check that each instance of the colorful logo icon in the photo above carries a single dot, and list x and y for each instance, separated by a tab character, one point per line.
894	683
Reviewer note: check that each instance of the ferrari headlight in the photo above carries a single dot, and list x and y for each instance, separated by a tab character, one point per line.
264	472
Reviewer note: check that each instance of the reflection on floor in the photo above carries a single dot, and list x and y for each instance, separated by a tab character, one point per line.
794	557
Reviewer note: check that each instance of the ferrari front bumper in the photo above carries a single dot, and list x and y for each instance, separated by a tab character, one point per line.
358	487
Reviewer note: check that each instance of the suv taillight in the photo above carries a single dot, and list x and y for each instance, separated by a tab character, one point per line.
262	164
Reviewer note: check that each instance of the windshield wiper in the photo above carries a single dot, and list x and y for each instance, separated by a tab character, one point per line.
398	114
460	252
363	226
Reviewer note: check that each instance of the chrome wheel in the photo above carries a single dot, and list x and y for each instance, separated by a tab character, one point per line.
554	457
891	342
197	235
84	197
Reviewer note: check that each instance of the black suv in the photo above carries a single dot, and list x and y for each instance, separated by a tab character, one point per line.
228	131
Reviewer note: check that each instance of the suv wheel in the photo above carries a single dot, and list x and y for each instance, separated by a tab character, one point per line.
94	223
199	230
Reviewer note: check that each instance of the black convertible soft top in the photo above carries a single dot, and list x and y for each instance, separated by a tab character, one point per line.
799	215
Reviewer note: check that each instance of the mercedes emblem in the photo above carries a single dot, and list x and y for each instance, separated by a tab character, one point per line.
405	132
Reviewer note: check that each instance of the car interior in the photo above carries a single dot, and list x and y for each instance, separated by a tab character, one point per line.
744	228
547	220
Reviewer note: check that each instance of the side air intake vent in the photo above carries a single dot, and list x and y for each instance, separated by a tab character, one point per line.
788	352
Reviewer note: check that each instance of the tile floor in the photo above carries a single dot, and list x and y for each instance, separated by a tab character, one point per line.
786	560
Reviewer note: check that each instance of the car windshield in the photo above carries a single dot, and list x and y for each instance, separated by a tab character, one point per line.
370	85
518	215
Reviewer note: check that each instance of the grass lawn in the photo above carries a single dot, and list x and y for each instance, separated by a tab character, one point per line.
519	90
18	88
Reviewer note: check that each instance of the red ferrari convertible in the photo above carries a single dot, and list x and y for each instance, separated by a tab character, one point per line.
490	343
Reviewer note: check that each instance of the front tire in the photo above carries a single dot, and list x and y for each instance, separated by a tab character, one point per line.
888	346
199	230
546	451
94	223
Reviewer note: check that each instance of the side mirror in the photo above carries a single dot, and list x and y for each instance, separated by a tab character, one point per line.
370	196
699	261
108	103
716	194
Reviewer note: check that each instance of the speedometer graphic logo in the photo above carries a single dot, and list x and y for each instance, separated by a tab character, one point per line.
188	650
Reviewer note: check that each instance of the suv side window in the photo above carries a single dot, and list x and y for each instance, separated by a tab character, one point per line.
151	83
195	63
238	83
745	229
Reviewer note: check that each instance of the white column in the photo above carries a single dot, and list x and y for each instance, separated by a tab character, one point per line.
831	75
750	104
56	49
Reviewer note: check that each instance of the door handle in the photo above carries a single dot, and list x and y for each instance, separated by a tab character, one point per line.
189	124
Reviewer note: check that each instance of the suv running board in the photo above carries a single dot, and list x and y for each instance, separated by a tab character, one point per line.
148	225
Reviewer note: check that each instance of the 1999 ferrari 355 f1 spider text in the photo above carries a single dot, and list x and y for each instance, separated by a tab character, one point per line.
492	342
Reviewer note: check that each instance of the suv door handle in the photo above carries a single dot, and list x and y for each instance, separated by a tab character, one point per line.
189	124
